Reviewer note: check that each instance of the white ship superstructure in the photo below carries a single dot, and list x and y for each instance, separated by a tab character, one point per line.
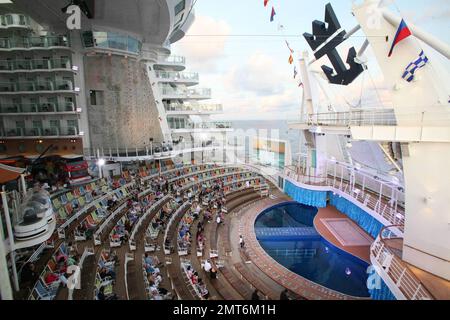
390	163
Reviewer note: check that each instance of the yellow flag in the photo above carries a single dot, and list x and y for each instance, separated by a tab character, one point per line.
291	59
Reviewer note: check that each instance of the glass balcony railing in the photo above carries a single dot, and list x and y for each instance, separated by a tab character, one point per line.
39	85
199	93
183	125
177	76
111	41
37	64
34	42
37	108
174	60
195	108
39	132
15	20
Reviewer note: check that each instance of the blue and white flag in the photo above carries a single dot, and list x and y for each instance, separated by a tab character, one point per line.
408	75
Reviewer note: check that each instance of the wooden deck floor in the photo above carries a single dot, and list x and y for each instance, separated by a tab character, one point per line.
362	252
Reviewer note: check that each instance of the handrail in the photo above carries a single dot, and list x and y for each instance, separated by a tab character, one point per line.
398	272
136	227
392	213
379	117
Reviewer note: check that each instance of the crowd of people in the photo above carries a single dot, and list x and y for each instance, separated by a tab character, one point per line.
106	276
196	281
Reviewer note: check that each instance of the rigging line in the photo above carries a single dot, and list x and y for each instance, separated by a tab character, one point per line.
275	35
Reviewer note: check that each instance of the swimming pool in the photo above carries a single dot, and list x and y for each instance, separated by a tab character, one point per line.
286	232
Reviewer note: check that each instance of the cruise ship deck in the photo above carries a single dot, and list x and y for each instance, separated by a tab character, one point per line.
122	177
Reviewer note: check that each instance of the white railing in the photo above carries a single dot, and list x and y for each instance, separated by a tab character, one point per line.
137	226
199	108
177	76
387	259
343	182
128	257
86	253
91	205
174	60
381	117
98	233
168	249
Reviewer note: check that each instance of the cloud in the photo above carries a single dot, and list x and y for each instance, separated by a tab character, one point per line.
439	10
258	75
202	53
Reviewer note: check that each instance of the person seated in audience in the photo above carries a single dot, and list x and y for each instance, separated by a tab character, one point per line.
202	289
115	200
189	272
150	269
52	277
157	279
213	274
110	204
28	275
148	259
101	295
194	278
113	257
73	260
208	215
200	227
207	266
61	263
105	272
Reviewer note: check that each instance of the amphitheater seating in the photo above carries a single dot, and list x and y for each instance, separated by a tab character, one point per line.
238	184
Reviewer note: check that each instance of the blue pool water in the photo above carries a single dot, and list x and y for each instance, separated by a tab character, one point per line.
287	234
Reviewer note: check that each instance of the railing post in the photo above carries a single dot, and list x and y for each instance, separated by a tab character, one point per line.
381	193
11	239
414	297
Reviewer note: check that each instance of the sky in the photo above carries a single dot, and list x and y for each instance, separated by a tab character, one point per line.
248	71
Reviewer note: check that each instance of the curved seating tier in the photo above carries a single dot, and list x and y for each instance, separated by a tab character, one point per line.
95	221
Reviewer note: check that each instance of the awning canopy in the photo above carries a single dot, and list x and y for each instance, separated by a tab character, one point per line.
8	173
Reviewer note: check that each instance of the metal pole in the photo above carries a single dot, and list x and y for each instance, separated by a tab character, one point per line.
24	185
5	282
11	240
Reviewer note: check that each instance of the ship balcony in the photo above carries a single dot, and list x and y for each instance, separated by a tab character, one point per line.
386	257
186	78
192	127
432	125
35	65
34	43
176	63
168	92
382	198
23	87
39	133
193	109
150	153
14	21
30	109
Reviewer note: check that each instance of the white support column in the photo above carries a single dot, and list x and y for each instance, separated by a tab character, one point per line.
24	185
11	239
5	283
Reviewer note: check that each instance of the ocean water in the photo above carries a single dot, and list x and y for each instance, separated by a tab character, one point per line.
277	129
